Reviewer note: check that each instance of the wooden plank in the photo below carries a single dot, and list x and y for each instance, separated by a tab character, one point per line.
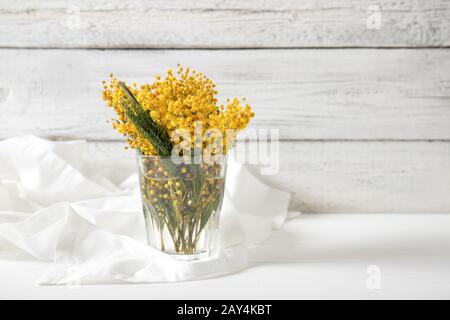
308	94
223	24
352	177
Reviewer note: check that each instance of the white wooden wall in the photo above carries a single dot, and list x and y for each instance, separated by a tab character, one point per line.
364	114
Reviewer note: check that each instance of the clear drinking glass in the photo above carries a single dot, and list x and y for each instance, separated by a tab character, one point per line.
181	205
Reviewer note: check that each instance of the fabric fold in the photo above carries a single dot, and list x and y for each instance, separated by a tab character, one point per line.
58	207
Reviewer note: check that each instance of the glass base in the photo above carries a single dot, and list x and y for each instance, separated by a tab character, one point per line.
192	257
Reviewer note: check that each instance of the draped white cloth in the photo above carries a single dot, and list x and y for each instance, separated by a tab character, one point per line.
58	206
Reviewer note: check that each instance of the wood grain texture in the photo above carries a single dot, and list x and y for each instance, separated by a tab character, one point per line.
222	24
352	177
366	94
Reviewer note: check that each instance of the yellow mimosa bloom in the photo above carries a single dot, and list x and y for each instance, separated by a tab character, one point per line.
176	102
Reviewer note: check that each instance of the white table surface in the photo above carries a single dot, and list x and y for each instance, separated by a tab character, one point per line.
313	256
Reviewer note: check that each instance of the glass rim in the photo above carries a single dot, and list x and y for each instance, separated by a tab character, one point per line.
222	158
147	156
225	155
144	160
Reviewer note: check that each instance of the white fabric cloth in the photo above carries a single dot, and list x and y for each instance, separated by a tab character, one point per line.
58	206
